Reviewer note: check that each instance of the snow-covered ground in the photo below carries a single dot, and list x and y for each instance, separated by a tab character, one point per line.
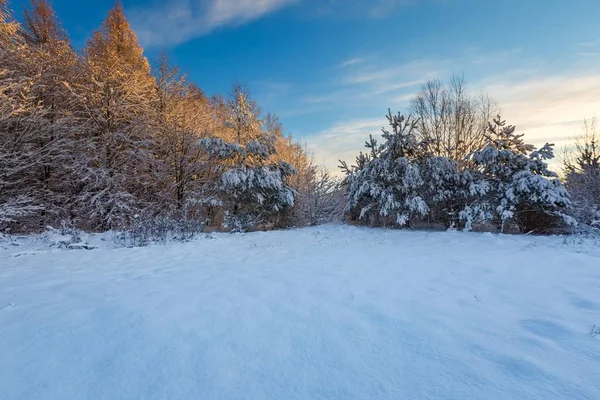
331	312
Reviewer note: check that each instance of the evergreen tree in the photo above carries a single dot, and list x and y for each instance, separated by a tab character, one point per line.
399	182
252	188
511	183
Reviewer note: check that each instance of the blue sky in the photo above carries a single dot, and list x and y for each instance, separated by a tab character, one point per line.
331	68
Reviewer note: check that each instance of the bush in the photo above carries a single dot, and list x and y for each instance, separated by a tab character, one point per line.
147	230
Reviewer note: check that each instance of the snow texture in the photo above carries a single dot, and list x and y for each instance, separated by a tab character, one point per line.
332	312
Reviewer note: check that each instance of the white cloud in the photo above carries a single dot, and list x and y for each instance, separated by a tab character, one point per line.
164	23
370	83
380	73
547	108
343	141
177	21
550	108
588	44
352	61
381	8
360	8
404	98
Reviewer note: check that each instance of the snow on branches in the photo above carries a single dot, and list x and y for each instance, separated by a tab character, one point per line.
402	183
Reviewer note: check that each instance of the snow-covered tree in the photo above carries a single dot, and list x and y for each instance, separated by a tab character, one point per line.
13	146
251	188
318	195
582	173
19	153
52	65
184	116
242	118
30	142
510	183
117	101
399	182
8	27
97	140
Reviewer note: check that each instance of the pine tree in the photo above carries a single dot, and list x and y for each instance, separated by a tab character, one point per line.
511	183
383	188
252	188
401	183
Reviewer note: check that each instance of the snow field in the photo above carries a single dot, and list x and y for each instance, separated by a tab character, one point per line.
332	312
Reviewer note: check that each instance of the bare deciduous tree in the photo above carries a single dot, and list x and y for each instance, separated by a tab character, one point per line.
581	167
451	119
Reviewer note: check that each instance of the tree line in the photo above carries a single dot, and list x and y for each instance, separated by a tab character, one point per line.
453	162
101	139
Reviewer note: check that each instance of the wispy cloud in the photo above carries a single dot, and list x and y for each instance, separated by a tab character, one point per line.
549	108
591	43
382	73
369	83
352	61
495	57
165	23
174	22
343	141
382	8
546	106
404	98
373	9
